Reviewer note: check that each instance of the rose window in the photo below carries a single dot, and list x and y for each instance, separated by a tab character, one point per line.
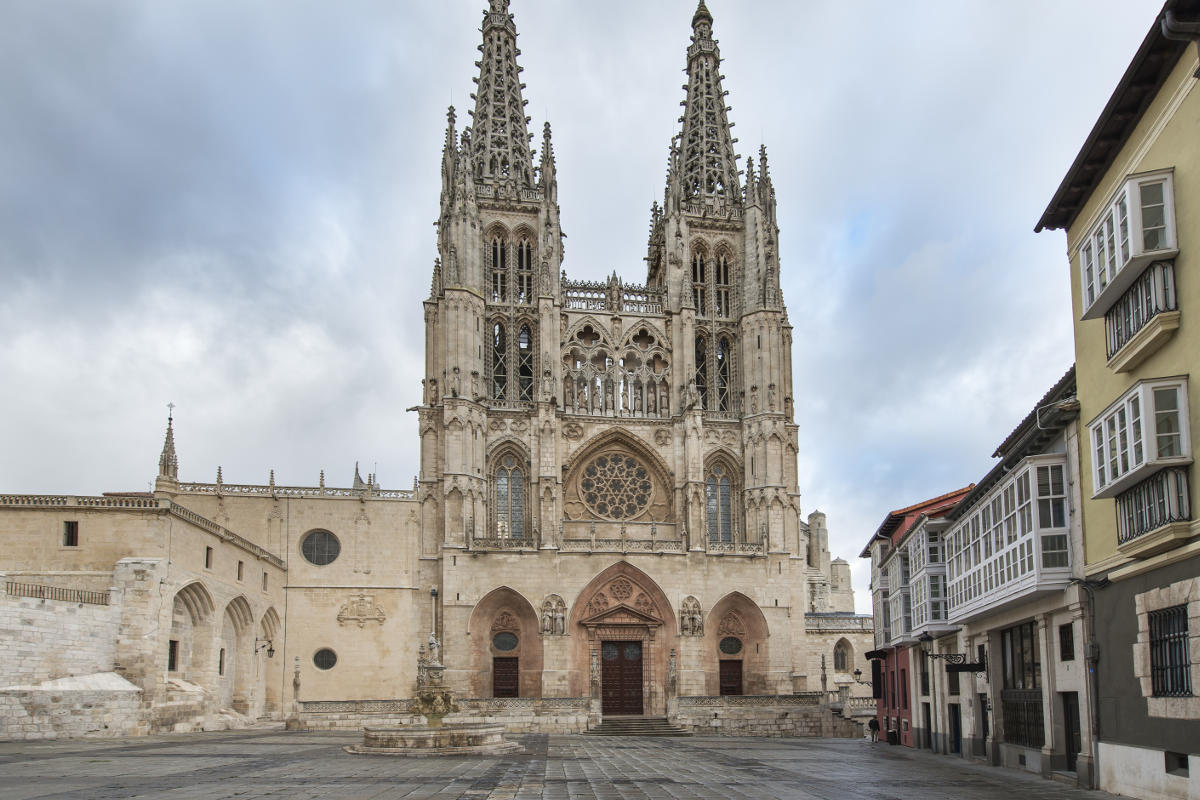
616	486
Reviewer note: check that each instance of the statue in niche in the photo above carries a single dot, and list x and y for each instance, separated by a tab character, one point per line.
560	620
456	388
691	621
435	648
547	618
771	397
691	396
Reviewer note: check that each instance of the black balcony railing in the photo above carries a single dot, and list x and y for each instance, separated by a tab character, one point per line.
1152	294
1159	500
1023	721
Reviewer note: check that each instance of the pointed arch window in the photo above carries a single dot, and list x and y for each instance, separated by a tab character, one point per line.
525	364
499	362
723	374
841	656
499	270
509	499
699	283
723	293
718	496
702	371
524	272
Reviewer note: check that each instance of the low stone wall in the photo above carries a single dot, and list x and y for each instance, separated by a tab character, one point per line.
517	714
47	638
762	715
97	705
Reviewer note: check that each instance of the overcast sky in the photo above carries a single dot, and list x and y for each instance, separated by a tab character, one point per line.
230	206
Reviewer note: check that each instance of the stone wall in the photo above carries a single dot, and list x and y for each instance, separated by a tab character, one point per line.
46	639
103	704
762	716
517	715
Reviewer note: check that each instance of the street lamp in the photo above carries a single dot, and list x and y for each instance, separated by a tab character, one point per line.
858	678
264	644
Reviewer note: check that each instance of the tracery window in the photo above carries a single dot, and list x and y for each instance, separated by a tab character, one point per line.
722	308
616	486
524	272
499	362
525	364
699	283
702	371
718	507
499	270
841	656
723	356
509	499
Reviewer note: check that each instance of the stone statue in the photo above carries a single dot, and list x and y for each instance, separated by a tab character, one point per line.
697	624
560	621
547	620
434	649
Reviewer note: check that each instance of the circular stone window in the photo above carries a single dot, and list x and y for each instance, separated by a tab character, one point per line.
504	641
616	486
731	645
320	548
324	658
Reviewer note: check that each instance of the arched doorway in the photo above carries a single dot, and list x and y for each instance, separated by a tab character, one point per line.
619	629
189	644
735	648
235	648
506	649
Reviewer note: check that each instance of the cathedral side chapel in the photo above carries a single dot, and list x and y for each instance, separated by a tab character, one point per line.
606	522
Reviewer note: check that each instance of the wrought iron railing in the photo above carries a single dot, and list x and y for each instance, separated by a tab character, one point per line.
56	593
1023	721
1157	501
1152	294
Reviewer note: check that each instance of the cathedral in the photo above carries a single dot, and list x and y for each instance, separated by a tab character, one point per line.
606	522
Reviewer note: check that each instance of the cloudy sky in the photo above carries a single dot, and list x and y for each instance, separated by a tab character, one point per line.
230	206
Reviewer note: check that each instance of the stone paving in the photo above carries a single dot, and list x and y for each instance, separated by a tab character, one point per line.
297	766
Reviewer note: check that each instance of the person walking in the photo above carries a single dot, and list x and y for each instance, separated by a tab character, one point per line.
873	726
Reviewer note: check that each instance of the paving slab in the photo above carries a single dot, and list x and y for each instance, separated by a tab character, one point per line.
301	765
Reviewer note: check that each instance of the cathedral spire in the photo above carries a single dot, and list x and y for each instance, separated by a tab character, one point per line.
500	152
168	463
547	170
707	170
449	160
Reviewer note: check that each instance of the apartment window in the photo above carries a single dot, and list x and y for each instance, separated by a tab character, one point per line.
1066	642
1151	294
70	536
1136	228
172	655
1170	662
208	557
1144	430
241	569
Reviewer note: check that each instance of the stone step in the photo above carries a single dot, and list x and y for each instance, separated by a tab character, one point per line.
638	726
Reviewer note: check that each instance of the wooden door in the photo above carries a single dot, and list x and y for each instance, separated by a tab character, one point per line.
621	677
1071	724
506	677
731	677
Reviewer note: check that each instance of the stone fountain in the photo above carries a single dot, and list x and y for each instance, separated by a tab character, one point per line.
433	700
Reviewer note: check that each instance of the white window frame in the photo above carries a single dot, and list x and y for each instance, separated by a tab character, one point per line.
1124	435
1113	253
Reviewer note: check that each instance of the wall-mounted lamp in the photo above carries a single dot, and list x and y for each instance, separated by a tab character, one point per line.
264	644
858	678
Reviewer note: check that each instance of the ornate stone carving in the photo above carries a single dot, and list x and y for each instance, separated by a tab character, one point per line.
662	437
731	625
621	589
361	608
554	616
597	604
616	487
643	603
506	621
691	620
573	431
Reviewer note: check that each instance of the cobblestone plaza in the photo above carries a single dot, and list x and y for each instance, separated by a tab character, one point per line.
254	764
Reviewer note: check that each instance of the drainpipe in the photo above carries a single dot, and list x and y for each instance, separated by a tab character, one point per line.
1092	656
1178	30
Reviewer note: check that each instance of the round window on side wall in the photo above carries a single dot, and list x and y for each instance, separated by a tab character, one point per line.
320	547
324	658
504	641
731	645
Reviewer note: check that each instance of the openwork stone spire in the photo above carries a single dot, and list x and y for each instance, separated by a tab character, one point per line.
168	463
708	165
501	136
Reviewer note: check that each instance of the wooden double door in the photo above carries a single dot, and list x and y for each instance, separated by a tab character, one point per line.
621	677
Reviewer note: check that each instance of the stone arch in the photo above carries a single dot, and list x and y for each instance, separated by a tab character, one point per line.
505	610
843	655
607	608
269	628
235	656
660	507
597	325
737	616
190	641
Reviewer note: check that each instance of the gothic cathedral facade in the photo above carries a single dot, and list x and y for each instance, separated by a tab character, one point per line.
607	515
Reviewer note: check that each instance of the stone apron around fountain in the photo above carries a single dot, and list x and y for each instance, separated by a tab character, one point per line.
437	737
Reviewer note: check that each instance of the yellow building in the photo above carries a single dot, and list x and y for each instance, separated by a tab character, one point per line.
1130	205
